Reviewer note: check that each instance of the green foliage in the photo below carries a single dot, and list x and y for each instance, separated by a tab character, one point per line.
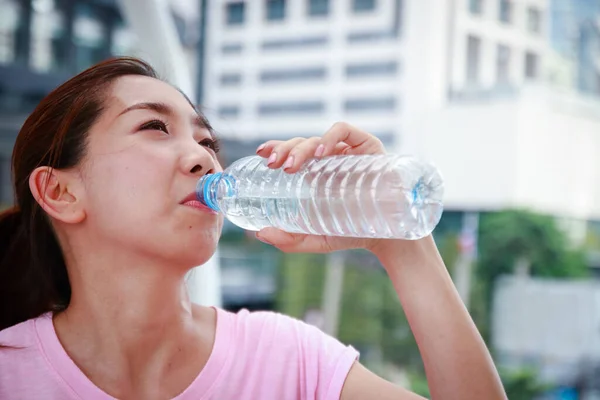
507	236
372	320
418	384
361	319
300	288
523	384
449	250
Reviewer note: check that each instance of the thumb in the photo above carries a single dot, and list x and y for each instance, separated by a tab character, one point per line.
291	242
278	238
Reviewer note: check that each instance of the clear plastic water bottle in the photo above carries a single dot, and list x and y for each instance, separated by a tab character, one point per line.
371	196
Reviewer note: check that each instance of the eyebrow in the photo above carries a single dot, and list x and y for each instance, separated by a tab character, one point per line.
198	120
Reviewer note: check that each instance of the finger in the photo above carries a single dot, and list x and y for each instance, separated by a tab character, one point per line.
280	152
300	153
265	149
341	132
293	242
341	149
306	150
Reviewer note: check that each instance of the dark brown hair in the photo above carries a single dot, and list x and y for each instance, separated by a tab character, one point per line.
33	275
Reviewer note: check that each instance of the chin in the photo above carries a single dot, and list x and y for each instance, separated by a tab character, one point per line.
198	252
190	248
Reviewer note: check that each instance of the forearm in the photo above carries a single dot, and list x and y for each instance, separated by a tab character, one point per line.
457	362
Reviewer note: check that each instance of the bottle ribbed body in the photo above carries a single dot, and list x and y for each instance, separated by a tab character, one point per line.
373	196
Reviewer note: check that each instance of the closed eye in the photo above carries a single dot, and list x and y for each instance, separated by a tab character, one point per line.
211	143
156	125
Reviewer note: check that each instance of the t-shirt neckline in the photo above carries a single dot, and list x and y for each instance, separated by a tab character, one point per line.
200	388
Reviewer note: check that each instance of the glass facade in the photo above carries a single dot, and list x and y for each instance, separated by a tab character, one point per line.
42	43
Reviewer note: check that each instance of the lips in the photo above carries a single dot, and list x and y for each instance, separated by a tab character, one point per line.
190	197
192	201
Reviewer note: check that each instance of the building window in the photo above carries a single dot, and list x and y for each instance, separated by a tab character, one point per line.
388	68
10	11
318	7
235	13
531	65
6	190
229	111
476	6
372	104
291	108
48	47
294	43
506	10
473	56
232	79
369	36
89	35
534	20
123	40
363	5
275	10
502	64
293	75
231	48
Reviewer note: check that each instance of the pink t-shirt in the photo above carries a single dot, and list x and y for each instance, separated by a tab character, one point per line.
259	355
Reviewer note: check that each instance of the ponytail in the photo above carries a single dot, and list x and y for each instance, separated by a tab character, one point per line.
33	275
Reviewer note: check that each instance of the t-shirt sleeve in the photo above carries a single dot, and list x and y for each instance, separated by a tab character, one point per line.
328	362
322	360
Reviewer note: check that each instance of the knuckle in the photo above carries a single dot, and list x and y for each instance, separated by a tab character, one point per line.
272	144
278	148
341	125
292	153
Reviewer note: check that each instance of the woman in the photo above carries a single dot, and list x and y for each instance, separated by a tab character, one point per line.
95	253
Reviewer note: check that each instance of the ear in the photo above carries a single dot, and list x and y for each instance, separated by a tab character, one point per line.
55	192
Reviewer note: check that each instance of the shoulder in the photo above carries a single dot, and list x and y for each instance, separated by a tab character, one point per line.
289	338
268	323
21	336
23	361
287	347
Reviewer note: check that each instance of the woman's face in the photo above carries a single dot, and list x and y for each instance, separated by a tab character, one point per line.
144	157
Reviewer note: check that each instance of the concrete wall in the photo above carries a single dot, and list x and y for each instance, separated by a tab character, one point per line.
552	324
538	149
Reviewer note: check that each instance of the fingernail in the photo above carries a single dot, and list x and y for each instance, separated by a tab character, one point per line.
272	158
261	147
320	150
289	162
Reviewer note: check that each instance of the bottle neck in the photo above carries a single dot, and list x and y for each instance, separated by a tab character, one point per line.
206	190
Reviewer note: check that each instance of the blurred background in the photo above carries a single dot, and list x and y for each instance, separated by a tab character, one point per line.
503	95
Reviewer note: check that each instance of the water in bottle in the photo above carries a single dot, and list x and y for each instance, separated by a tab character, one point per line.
369	196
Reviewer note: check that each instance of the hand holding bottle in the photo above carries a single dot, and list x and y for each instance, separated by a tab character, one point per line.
341	139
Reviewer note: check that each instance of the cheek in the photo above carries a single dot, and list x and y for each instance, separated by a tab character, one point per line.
129	182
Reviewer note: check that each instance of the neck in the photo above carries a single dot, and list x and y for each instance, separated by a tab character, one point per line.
136	299
125	307
130	325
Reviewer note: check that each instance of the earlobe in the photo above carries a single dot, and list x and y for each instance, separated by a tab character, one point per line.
52	190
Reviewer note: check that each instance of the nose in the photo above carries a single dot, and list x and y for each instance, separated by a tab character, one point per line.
198	161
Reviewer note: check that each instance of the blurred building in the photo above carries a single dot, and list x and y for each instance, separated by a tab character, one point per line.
575	35
501	94
43	43
280	69
488	89
535	325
